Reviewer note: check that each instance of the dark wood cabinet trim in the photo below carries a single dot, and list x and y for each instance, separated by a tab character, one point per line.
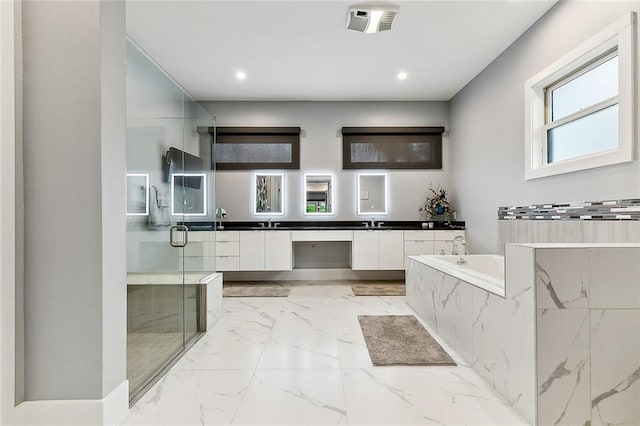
392	130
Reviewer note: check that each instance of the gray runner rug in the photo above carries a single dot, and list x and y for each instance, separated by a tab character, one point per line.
379	289
255	291
401	340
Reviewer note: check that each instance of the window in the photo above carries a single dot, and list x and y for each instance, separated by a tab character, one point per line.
579	110
392	147
251	148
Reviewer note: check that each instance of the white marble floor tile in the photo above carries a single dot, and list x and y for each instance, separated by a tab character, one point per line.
353	351
301	350
246	323
192	398
293	397
224	352
302	360
396	396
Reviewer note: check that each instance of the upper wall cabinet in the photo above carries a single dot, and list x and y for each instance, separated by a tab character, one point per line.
392	147
254	148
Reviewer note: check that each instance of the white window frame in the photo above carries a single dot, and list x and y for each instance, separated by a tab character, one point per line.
618	37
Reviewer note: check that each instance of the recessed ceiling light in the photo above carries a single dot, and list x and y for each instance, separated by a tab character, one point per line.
402	75
240	75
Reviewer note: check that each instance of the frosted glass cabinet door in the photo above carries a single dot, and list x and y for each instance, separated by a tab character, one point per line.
252	250
278	251
364	250
390	250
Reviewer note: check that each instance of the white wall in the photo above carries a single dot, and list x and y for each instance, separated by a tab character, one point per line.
321	150
487	130
74	176
7	212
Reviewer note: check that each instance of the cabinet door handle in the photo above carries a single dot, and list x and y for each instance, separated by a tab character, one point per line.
185	240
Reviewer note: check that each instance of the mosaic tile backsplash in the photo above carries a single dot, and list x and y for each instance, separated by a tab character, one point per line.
591	210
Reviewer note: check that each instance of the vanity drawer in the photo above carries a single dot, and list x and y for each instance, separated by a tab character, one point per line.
227	236
448	235
414	248
227	263
418	235
227	248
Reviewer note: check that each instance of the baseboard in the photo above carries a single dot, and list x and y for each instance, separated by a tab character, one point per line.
111	410
312	274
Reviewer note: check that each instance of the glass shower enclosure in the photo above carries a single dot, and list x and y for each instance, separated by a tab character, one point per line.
170	183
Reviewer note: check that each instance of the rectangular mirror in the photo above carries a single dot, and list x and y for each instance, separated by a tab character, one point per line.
137	194
318	194
372	193
189	194
269	193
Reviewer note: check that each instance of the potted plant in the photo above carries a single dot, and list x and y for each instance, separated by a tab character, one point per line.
436	206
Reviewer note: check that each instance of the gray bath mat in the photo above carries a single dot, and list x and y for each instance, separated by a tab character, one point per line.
379	290
401	340
255	291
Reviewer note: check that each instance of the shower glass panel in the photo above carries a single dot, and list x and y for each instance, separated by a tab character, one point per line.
164	295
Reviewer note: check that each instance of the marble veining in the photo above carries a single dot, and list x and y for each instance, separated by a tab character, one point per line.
310	366
563	346
588	337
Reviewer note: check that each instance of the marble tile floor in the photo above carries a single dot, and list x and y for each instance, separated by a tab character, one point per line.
302	360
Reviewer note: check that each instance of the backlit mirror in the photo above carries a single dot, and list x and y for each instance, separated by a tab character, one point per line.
318	194
137	194
372	193
269	193
188	194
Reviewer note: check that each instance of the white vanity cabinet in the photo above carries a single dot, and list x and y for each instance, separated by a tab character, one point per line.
377	250
429	242
252	250
364	250
278	251
443	241
227	250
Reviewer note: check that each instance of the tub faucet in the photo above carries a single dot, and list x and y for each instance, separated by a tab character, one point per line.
456	240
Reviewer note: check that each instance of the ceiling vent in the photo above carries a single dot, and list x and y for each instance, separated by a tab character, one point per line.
371	19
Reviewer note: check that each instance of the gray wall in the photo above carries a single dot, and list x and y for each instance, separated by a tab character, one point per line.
487	130
74	168
321	150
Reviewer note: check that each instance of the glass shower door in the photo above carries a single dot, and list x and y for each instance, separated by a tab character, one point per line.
156	233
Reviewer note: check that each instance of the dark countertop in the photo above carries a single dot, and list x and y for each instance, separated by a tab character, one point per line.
324	225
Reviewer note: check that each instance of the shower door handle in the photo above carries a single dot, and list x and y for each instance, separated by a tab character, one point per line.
185	240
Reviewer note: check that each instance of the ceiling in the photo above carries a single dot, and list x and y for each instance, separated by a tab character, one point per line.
300	50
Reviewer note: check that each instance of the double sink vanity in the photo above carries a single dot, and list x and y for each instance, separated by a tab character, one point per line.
260	246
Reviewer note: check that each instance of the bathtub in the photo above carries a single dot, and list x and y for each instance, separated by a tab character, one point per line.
481	270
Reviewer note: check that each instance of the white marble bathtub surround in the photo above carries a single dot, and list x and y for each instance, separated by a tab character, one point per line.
588	335
615	367
563	366
495	335
504	348
443	302
614	278
562	278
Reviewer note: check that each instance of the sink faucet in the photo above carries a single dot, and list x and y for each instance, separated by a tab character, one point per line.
373	222
269	223
459	239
